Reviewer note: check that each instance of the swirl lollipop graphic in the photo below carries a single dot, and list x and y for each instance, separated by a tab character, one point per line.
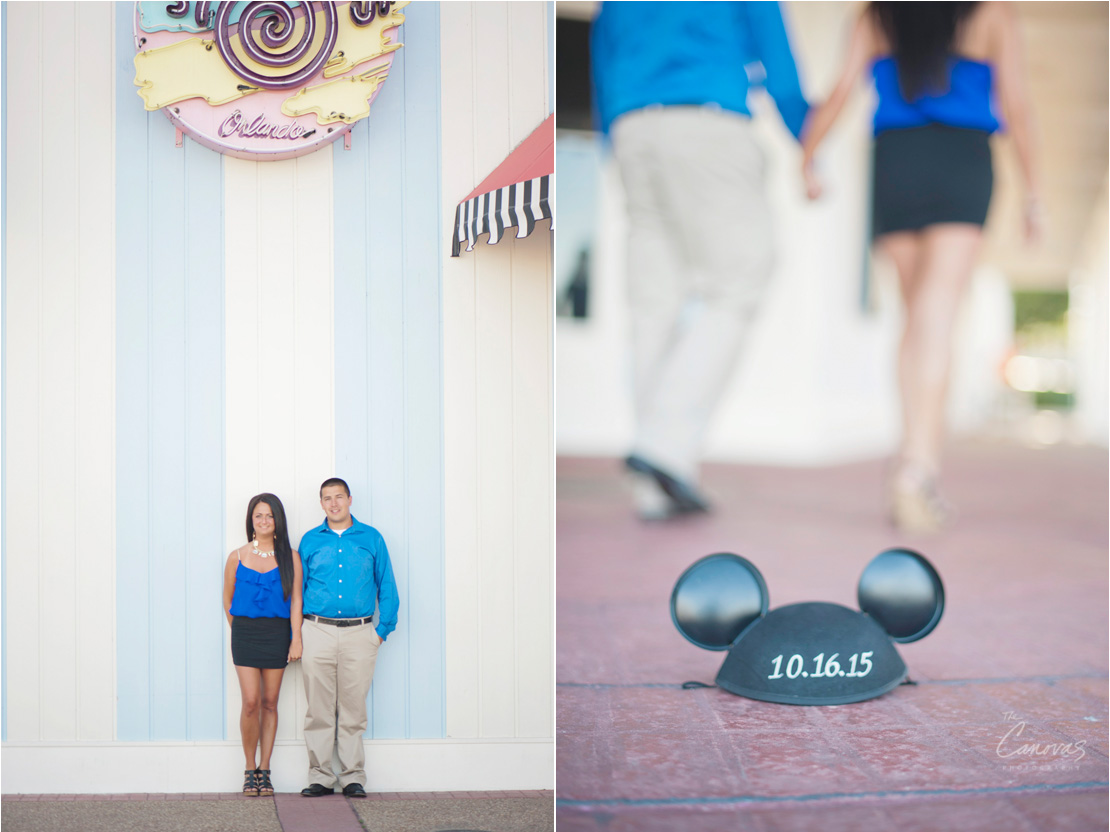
265	80
280	49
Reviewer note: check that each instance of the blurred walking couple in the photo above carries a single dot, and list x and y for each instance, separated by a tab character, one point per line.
285	605
671	85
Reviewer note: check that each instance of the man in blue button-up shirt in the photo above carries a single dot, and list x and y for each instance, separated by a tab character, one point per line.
346	572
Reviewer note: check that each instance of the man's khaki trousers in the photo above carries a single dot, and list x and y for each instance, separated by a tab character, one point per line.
699	230
338	666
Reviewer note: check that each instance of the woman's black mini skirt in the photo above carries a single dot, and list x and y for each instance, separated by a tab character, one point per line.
260	642
928	175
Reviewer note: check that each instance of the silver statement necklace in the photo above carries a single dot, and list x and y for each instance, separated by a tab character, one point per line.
254	545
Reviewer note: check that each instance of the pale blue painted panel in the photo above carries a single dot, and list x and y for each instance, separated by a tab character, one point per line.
387	426
169	372
389	377
166	274
352	400
352	171
422	245
132	399
204	409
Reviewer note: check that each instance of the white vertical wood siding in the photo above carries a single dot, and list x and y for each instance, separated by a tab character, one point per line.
497	389
278	362
59	538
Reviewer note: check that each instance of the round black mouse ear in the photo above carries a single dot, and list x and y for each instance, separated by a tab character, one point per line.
716	598
902	591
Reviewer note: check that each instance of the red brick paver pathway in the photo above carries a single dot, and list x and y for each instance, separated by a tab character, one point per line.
236	796
316	814
334	813
1023	641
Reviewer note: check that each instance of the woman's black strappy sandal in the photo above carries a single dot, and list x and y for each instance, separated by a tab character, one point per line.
265	787
250	783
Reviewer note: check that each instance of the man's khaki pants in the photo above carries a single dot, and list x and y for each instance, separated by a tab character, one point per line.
699	230
338	666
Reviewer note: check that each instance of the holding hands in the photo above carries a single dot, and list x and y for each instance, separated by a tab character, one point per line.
818	122
813	185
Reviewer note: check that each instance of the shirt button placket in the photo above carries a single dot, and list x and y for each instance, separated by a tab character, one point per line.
340	580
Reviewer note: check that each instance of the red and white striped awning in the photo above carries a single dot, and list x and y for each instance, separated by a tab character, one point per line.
518	193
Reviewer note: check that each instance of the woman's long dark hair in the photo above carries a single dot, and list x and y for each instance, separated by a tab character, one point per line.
282	550
922	37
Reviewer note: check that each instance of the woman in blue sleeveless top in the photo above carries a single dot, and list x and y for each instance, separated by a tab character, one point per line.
262	601
938	68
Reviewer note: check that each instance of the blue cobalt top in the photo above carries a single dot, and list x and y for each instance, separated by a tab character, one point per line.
691	54
259	594
966	102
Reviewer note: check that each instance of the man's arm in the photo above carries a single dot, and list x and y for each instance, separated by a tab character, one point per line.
767	34
388	601
599	69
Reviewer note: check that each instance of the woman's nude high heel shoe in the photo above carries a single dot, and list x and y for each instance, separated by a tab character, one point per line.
916	506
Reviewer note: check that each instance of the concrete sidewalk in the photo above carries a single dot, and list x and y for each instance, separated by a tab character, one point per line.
1023	642
531	811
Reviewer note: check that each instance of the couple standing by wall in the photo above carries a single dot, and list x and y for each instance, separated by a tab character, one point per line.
285	605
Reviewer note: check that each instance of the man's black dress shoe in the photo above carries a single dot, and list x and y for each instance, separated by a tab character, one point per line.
316	790
354	790
684	496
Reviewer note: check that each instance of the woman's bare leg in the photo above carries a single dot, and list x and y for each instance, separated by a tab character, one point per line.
904	248
250	686
271	687
943	269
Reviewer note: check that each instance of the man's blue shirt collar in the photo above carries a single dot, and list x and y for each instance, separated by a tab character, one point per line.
355	525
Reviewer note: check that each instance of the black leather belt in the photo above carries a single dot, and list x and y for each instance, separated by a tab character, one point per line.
338	622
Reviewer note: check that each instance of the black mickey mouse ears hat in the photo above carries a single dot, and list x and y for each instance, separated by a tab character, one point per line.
721	595
903	593
716	598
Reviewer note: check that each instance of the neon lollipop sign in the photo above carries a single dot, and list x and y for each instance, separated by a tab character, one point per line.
264	80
